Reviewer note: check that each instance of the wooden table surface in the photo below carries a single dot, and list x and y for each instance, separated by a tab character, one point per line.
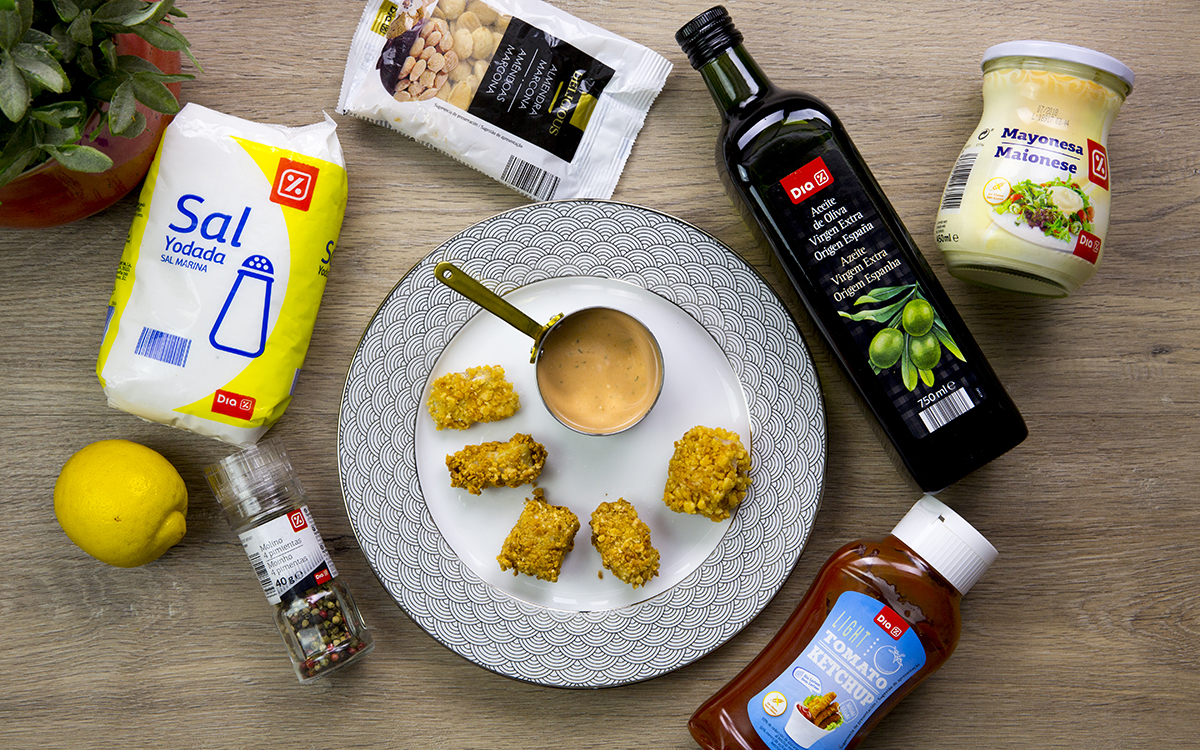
1085	632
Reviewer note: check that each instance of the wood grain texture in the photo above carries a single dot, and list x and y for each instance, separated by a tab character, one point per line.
1083	634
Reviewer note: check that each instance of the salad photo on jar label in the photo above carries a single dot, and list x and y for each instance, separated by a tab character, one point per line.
1052	213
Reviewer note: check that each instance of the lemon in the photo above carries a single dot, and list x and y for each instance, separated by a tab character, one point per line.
120	502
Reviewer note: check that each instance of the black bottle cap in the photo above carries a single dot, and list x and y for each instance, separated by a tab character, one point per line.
706	36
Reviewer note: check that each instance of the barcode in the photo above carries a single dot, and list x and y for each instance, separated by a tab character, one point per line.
954	404
956	186
531	179
260	570
164	347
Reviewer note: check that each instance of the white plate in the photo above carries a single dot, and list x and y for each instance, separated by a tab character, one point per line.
733	359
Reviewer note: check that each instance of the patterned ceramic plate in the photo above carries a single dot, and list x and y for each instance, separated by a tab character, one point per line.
733	358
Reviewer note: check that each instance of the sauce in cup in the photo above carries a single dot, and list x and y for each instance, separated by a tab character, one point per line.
599	371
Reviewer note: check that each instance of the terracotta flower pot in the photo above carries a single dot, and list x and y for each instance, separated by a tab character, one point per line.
50	194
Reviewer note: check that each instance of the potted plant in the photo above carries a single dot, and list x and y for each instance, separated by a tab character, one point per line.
86	89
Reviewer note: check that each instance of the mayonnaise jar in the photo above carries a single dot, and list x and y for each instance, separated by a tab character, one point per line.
1026	206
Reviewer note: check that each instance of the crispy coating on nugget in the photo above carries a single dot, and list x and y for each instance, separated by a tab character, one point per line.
494	464
623	541
481	394
539	541
709	473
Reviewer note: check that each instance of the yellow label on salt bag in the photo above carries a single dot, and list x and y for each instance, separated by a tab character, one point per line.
223	271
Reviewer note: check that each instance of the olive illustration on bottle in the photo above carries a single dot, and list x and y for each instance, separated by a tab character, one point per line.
886	348
913	335
918	317
925	351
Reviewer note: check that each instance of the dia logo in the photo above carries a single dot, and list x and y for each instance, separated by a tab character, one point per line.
233	405
294	184
807	181
1097	164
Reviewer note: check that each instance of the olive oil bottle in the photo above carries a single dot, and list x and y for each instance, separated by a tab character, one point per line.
865	283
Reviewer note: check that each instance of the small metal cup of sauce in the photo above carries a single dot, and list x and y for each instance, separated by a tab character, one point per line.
599	370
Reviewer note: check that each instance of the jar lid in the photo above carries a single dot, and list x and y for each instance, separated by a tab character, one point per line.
1065	52
948	543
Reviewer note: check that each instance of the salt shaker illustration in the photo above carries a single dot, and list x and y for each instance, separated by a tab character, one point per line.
241	328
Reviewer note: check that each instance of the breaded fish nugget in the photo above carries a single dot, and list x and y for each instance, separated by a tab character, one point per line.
481	394
709	473
541	538
623	541
494	464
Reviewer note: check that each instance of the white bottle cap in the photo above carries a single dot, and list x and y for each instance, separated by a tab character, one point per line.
1059	51
949	544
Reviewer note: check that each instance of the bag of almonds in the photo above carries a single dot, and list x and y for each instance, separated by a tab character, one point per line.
525	93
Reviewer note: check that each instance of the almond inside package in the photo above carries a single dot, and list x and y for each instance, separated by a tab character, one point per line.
525	93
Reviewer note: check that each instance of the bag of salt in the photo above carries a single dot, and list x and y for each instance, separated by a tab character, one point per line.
223	271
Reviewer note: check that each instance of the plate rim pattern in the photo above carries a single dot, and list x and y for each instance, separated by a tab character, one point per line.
396	532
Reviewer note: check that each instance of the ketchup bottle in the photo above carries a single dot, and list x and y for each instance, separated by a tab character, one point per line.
881	616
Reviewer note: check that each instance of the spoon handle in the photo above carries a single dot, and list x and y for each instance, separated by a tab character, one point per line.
458	280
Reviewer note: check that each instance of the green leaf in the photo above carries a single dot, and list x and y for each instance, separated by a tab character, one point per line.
66	10
927	377
173	78
61	114
62	136
67	47
19	152
7	5
154	94
139	124
104	88
14	90
166	37
80	158
152	13
943	336
39	66
163	36
133	129
908	372
41	39
147	69
879	314
81	28
18	165
117	11
12	26
135	64
122	109
108	49
883	294
86	62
